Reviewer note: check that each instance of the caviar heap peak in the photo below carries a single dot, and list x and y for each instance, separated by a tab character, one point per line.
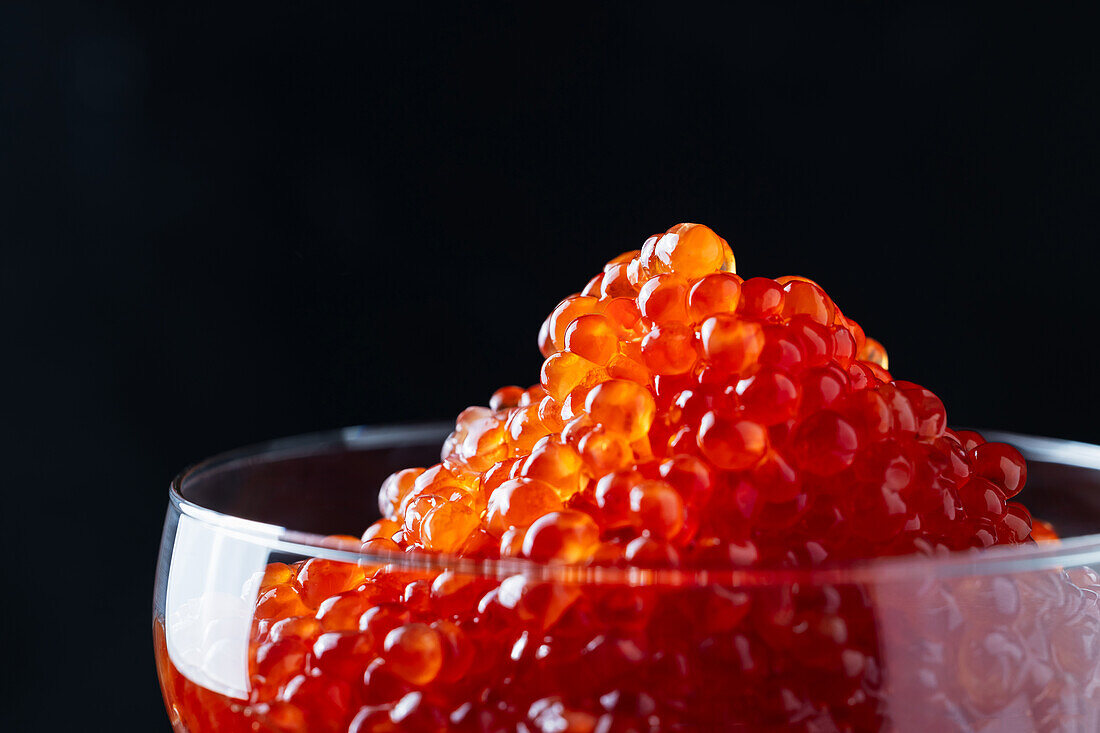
688	416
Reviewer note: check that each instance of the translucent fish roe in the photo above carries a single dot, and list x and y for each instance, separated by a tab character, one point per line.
685	418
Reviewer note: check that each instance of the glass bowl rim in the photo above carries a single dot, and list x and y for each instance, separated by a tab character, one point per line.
1069	552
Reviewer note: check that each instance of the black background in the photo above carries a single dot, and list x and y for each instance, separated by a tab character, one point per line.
221	226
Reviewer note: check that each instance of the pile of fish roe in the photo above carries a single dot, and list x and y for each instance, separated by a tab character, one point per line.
686	419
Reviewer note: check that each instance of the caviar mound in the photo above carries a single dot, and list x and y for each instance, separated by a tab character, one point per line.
682	411
687	418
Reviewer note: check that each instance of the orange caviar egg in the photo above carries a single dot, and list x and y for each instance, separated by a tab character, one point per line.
648	264
616	282
624	315
664	299
518	503
565	536
550	414
557	464
281	601
731	343
569	309
730	442
761	298
604	451
669	349
622	259
874	352
545	340
300	627
414	652
693	250
340	612
804	297
395	489
525	428
446	528
824	443
531	395
1044	532
770	396
623	367
574	403
658	508
484	443
276	573
564	371
713	295
623	407
383	528
415	513
613	496
511	542
506	397
321	578
593	337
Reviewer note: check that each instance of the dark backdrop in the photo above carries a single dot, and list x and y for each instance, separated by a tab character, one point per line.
221	226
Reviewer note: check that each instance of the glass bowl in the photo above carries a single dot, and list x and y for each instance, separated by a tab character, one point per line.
266	621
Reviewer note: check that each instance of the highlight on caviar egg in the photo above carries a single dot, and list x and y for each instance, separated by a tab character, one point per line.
686	418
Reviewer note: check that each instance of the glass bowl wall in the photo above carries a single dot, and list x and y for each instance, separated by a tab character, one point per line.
1004	640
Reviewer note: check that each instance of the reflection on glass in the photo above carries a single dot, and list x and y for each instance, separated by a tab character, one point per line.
258	627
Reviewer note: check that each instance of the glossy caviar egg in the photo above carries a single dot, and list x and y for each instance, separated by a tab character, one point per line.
824	443
714	294
414	652
617	283
761	298
557	464
592	336
731	343
525	427
564	314
693	250
658	508
566	536
669	349
623	407
604	451
506	397
874	352
1002	464
565	371
804	297
731	443
519	502
448	526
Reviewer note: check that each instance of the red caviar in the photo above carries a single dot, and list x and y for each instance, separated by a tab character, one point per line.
685	418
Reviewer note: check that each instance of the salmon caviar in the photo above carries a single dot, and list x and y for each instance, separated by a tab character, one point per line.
692	251
684	418
564	371
731	343
623	407
669	349
664	299
518	503
712	294
567	536
414	653
592	336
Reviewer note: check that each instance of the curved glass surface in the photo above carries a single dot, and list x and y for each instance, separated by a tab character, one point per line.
1006	639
